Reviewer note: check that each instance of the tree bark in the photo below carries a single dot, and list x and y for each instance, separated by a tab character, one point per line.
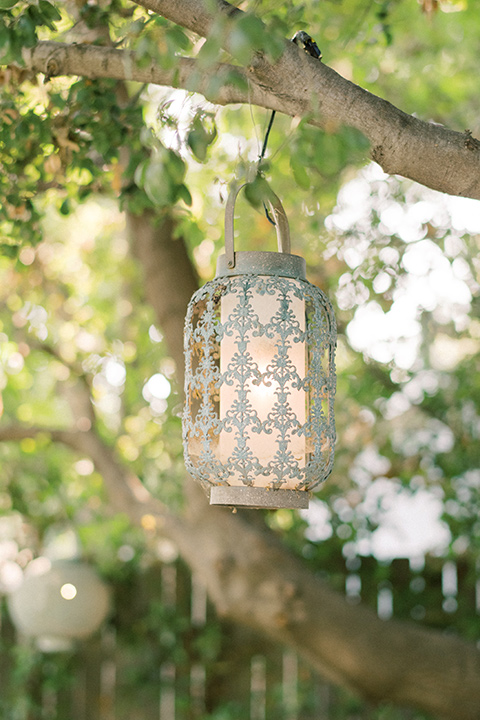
402	144
98	61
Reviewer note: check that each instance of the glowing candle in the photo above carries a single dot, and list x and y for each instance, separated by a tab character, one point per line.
270	385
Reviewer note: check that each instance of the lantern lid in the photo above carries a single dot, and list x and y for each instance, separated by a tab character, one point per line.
263	263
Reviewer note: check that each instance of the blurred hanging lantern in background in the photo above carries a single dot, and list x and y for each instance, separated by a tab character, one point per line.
258	422
59	602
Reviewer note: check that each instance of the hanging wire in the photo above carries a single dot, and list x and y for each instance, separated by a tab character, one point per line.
267	133
312	49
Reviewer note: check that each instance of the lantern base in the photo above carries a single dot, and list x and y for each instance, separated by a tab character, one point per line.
250	497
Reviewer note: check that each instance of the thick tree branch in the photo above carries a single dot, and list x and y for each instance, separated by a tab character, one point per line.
255	581
195	15
431	154
98	61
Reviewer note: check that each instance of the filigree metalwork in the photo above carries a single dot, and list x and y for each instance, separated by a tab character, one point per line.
225	427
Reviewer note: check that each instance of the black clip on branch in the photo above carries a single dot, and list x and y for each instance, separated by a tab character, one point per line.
311	48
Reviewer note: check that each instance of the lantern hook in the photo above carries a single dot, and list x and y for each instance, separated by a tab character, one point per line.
279	214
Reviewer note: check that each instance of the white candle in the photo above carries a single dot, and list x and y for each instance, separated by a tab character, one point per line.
262	391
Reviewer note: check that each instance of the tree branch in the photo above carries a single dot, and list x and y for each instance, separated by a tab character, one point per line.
431	154
254	580
195	15
98	61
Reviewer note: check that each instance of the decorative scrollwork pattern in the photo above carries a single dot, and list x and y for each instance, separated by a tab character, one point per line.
259	383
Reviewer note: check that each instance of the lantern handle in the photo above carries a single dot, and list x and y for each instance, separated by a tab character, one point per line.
279	214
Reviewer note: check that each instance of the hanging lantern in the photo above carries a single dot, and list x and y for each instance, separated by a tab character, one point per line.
258	423
59	602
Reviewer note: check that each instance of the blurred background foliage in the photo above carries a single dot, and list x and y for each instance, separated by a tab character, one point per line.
399	262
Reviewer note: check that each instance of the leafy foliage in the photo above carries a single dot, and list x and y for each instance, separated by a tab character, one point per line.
20	23
78	343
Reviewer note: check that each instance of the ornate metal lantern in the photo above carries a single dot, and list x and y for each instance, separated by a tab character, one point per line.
59	602
258	423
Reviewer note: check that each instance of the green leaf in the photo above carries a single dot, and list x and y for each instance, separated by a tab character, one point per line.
184	194
247	37
10	251
197	144
275	47
177	39
175	167
233	77
161	176
5	52
201	135
139	174
25	30
257	192
65	207
50	13
209	52
299	173
157	183
254	29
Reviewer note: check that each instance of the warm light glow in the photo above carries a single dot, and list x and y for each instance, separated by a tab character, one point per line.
263	392
259	383
68	591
